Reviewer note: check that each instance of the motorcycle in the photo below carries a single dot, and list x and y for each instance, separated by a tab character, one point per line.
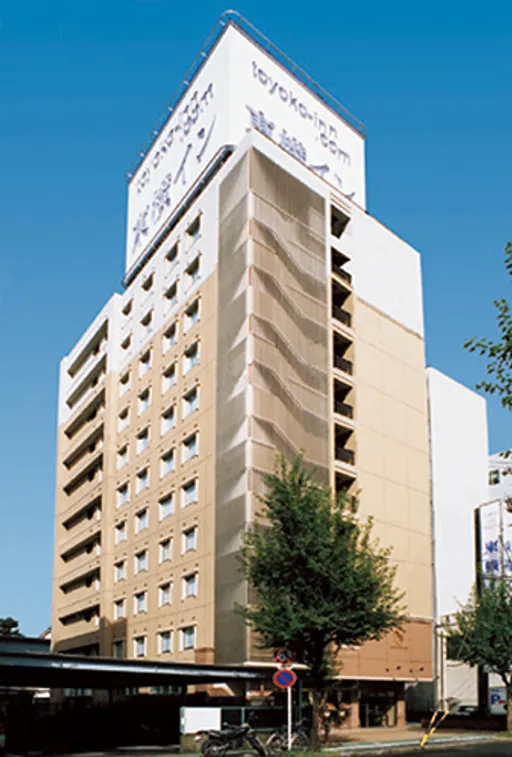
218	743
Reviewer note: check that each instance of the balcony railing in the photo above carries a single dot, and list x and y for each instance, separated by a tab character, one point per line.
345	455
341	315
339	271
343	408
343	364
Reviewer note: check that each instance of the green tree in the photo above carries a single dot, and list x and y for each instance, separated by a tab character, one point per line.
320	580
499	353
9	627
484	630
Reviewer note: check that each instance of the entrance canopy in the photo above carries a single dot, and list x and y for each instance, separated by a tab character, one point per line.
33	669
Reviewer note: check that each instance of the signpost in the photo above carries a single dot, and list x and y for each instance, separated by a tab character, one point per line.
284	678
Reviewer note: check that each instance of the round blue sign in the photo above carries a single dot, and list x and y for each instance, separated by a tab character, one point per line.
284	678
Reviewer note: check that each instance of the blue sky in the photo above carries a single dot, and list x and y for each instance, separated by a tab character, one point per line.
82	84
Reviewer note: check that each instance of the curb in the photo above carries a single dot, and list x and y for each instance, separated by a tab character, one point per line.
411	745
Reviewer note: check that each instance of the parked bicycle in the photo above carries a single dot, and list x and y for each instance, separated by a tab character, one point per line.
218	743
277	742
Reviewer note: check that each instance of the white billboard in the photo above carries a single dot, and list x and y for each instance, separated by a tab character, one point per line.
239	87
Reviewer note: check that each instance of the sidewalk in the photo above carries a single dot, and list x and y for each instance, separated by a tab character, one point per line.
369	741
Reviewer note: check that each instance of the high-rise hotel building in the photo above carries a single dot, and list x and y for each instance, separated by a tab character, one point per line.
263	311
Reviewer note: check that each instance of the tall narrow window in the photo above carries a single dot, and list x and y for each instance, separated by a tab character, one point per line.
191	315
190	447
190	401
142	440
139	646
145	363
142	480
170	337
168	378
189	493
166	506
144	400
141	520
168	420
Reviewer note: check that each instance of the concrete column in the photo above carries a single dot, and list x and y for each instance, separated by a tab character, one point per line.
353	719
400	711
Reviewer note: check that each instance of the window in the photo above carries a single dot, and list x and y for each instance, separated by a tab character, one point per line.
165	642
191	315
144	400
191	357
148	282
123	495
189	586
171	295
190	402
193	270
189	493
188	637
122	457
167	463
165	550
123	419
147	320
142	480
121	532
125	344
168	419
166	506
494	477
172	255
120	570
145	363
141	520
189	539
194	229
142	440
141	561
128	308
165	594
139	646
124	383
119	609
140	602
118	650
170	337
190	447
168	378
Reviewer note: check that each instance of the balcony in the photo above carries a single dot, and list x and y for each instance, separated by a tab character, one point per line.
345	455
84	470
82	498
82	533
339	271
79	567
82	416
343	408
343	316
342	364
88	385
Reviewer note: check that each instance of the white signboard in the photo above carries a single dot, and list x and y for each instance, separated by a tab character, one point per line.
240	87
194	719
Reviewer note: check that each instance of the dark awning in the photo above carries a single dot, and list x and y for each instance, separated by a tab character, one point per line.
72	671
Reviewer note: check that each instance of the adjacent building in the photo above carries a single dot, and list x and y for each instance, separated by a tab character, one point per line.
459	454
264	310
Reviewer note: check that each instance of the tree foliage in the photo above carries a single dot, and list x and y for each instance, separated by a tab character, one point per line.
9	627
484	628
499	353
320	580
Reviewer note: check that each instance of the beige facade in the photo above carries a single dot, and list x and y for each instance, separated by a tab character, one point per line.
275	350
